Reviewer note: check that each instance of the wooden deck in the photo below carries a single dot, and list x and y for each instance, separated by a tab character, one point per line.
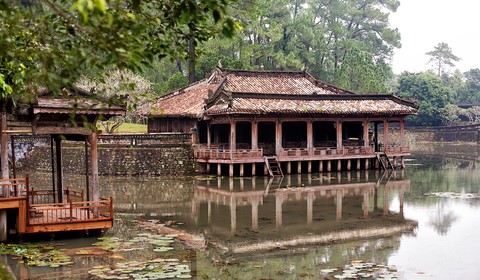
37	213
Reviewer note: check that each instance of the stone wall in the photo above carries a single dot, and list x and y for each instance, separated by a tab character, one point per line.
125	160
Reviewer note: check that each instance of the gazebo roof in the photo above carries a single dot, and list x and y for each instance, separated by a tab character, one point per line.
228	92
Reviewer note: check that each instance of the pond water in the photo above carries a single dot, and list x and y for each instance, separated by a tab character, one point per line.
244	228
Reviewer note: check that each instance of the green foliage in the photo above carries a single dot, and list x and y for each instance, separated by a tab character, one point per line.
52	43
342	42
442	57
431	95
175	81
469	91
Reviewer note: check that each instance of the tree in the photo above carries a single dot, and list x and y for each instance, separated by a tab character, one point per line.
338	41
120	85
53	43
442	57
431	95
469	93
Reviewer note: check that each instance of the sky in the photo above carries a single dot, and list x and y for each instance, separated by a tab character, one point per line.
425	23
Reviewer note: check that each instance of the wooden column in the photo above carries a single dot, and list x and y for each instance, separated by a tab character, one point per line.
310	137
230	170
242	167
385	135
209	136
278	137
254	135
402	133
5	174
375	131
289	167
366	139
339	134
233	135
309	167
299	167
254	169
219	169
94	166
320	166
59	160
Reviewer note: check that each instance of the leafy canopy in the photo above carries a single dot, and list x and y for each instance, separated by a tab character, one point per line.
53	42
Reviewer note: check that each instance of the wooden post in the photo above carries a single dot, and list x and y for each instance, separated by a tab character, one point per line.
278	137
254	135
87	171
310	137
339	134
320	166
233	135
299	167
349	164
254	169
366	140
375	131
242	166
289	167
4	166
219	169
14	165
339	165
209	136
385	135
230	170
309	167
329	166
358	164
367	163
58	154
94	166
402	133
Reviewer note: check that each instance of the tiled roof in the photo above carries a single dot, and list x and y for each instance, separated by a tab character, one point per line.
366	106
271	92
276	82
80	105
187	102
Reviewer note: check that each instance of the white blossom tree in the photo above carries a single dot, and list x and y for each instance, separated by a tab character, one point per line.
120	85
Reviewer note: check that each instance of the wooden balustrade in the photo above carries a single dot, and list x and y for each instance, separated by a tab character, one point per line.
13	188
54	213
228	154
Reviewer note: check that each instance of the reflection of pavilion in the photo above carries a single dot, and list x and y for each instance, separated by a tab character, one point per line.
293	211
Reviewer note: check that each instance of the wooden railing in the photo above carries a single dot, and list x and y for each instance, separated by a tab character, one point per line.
48	196
13	188
396	149
55	213
219	153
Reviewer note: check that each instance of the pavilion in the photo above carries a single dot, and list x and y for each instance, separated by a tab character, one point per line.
245	122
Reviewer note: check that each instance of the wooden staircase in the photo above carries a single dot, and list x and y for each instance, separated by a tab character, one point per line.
385	161
273	166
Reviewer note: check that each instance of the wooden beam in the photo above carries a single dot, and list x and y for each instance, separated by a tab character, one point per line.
94	166
59	160
62	130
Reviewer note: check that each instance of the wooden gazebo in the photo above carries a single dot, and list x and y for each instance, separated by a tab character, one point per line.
263	122
69	116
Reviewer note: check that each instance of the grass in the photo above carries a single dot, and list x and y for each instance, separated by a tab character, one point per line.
129	128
